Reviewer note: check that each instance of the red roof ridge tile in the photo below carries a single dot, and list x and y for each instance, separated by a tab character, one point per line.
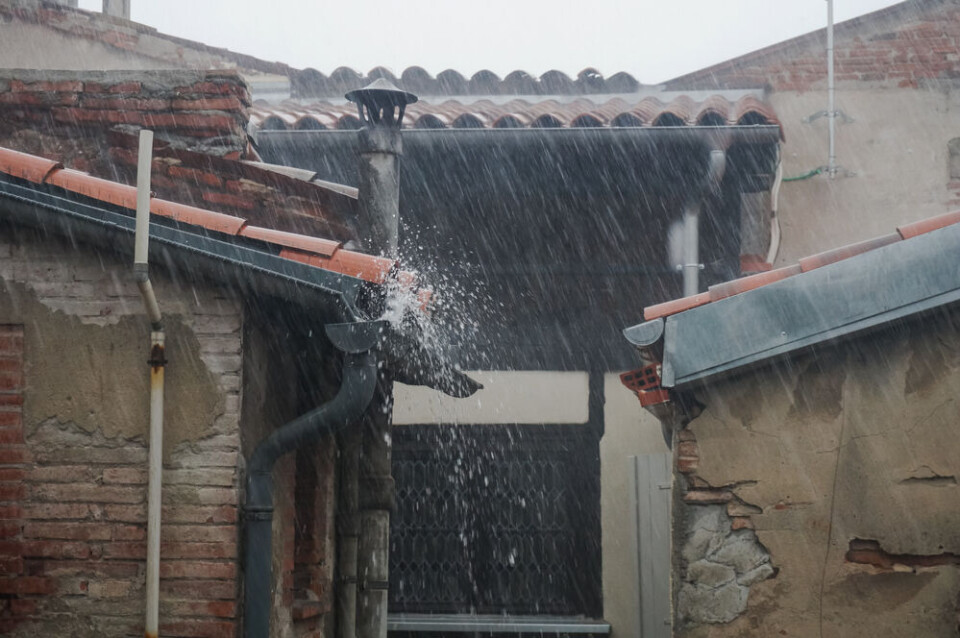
321	253
752	282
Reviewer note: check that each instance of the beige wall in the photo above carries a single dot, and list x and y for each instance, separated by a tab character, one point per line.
629	431
517	396
857	445
897	148
30	46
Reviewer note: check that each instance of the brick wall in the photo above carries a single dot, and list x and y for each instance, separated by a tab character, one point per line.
73	489
905	46
89	122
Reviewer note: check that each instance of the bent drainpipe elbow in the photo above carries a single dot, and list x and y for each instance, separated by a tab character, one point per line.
356	392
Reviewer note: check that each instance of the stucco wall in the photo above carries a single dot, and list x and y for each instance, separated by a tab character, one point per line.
74	474
628	431
846	466
896	149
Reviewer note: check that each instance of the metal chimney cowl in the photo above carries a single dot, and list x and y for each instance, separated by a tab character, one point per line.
381	106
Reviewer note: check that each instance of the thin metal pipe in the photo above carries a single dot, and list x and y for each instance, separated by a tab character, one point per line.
155	482
144	160
831	106
157	363
691	222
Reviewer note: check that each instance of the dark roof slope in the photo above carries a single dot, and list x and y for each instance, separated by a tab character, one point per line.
827	296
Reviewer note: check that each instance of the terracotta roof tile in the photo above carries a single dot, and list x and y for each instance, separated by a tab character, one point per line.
550	113
752	282
210	220
926	225
28	167
312	83
839	254
318	252
677	305
94	187
325	247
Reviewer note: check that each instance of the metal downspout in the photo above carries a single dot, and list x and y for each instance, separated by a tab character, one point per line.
691	222
157	363
360	364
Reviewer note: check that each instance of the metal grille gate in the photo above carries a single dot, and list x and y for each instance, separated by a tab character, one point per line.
496	519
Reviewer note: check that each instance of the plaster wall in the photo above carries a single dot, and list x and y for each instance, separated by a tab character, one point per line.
846	466
629	431
31	46
896	150
75	472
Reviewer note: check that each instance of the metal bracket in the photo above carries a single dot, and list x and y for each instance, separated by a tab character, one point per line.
843	117
680	267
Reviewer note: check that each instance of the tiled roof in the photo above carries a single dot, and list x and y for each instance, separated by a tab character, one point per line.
744	284
321	253
518	113
313	83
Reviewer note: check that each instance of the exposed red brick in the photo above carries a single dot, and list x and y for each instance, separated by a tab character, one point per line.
198	589
199	629
26	585
215	608
12	492
708	497
196	175
11	474
11	565
226	199
55	549
123	87
198	569
46	87
14	455
38	99
208	104
741	522
125	103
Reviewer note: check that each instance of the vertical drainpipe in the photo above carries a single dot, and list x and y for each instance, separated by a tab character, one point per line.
157	362
691	221
381	106
831	90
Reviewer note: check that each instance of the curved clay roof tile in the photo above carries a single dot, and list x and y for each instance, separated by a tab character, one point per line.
378	72
547	120
451	82
468	120
485	81
622	83
586	120
556	82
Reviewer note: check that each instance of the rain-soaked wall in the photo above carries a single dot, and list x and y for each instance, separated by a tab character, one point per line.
894	165
75	396
822	493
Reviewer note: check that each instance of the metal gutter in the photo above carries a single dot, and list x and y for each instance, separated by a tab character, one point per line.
532	625
37	207
838	300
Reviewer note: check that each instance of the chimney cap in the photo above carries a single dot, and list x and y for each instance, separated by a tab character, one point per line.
379	93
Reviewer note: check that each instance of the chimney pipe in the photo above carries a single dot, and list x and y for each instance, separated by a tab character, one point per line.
117	8
366	480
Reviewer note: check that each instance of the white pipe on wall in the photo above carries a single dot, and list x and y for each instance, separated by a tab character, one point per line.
831	89
157	362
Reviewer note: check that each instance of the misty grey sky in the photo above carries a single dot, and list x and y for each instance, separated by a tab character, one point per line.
654	41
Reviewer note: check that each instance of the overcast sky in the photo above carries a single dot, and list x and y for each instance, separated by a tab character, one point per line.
652	40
